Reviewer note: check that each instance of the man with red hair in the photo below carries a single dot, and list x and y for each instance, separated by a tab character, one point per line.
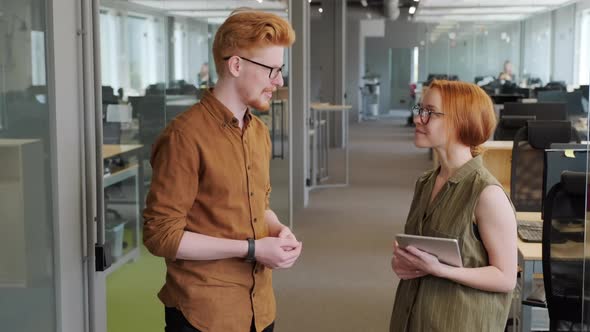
207	211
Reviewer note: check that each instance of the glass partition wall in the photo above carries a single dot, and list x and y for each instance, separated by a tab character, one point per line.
156	62
28	265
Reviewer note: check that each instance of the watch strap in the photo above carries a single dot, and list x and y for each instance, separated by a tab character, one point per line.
250	256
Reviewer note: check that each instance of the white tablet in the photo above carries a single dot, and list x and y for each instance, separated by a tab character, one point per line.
446	250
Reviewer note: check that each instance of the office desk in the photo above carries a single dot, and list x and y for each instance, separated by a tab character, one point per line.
132	170
497	158
111	150
530	260
320	143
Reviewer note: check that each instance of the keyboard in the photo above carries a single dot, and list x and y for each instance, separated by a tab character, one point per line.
530	231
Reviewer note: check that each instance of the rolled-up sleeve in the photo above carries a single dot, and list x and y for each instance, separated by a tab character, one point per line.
174	187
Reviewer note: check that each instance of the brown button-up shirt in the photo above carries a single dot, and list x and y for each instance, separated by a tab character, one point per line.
211	177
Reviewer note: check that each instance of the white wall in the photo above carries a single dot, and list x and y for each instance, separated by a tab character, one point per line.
537	47
564	42
353	77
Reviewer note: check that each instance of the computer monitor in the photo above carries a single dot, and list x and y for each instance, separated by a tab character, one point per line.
573	100
562	157
524	92
503	99
574	103
552	96
541	111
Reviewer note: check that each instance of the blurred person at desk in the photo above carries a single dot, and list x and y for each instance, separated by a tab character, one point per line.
204	78
207	212
506	74
461	200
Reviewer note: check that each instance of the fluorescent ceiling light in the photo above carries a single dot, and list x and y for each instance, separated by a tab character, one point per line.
412	10
217	13
469	18
480	11
495	3
193	5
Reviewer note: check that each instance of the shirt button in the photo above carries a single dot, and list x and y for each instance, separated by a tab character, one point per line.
255	219
249	167
251	194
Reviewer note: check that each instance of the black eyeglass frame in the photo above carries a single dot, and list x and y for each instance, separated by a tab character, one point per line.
424	113
270	76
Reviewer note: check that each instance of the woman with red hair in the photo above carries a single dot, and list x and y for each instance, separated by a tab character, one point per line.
461	200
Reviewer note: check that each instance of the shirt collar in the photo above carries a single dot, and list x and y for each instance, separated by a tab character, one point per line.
220	112
466	169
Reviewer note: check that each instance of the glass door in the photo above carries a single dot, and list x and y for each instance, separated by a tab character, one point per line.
29	265
154	65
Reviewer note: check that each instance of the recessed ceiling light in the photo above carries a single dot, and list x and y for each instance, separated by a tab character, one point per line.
321	10
412	10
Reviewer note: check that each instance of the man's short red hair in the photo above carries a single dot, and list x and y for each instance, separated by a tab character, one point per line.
247	29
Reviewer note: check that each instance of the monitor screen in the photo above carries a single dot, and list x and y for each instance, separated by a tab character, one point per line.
541	111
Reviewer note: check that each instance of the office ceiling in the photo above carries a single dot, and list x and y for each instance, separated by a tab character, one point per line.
214	11
427	10
466	10
483	10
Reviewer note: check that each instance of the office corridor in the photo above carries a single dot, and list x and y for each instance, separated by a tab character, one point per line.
343	281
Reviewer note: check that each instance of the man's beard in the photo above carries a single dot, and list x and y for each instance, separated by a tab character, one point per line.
260	105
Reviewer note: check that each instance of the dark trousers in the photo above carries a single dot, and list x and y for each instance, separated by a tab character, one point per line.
176	322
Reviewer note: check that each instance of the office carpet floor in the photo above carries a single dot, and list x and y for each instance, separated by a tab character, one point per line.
343	281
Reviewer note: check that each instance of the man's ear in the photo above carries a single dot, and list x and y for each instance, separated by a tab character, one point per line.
234	66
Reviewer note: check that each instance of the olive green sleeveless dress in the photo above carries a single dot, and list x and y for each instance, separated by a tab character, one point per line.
434	304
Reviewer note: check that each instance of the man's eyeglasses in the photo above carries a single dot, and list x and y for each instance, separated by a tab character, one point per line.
273	71
424	113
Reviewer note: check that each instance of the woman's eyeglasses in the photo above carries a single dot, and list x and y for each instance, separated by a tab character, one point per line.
424	113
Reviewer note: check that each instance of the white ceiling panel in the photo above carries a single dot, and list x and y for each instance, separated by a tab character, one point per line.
478	11
217	13
210	5
493	3
483	10
470	18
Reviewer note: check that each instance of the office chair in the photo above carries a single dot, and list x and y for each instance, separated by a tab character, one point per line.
509	125
563	252
151	112
526	173
108	95
111	132
556	85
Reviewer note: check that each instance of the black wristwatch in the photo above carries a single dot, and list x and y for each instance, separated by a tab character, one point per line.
250	257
